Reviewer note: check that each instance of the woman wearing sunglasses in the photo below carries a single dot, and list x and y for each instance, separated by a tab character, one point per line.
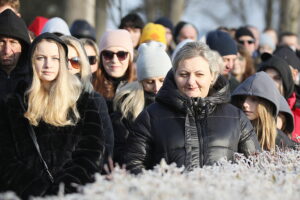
51	133
92	52
152	63
78	62
260	100
116	66
79	65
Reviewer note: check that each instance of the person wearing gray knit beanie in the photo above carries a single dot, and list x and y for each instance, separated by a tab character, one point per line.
153	63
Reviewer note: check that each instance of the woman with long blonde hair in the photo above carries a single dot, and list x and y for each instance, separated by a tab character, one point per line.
52	133
152	64
79	65
259	98
78	62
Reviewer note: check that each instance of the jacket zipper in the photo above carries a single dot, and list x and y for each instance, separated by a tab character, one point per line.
200	138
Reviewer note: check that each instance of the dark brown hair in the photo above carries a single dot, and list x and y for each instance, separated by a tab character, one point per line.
250	68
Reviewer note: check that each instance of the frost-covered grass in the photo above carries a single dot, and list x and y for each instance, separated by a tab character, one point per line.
267	176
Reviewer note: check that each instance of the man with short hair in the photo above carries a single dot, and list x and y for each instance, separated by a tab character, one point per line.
184	30
14	5
222	42
14	44
290	39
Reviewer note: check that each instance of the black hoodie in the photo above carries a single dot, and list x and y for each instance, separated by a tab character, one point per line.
13	26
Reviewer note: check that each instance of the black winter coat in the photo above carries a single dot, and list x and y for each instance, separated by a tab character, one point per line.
73	153
189	132
122	127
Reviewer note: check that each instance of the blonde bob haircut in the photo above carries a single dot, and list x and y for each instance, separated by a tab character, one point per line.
195	49
85	68
130	100
57	104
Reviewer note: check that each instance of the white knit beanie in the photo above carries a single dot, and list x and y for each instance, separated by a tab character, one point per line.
152	61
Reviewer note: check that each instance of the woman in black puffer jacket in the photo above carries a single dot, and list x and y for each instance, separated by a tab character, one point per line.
153	63
191	122
66	122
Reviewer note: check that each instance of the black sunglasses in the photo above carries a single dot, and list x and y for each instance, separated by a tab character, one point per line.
92	60
246	41
109	55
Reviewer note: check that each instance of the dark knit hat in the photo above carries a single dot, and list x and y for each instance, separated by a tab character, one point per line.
166	22
282	67
242	31
13	26
289	56
82	29
221	42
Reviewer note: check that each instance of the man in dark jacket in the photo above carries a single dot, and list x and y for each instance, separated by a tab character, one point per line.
14	43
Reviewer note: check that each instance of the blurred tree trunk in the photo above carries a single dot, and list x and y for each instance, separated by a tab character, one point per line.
176	10
269	14
80	9
172	9
101	17
289	15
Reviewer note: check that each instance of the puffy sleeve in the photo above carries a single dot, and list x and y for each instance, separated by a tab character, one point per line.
87	157
139	144
248	143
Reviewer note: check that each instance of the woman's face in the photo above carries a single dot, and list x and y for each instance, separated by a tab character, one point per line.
193	77
115	61
74	61
152	85
239	65
92	56
274	74
46	61
250	107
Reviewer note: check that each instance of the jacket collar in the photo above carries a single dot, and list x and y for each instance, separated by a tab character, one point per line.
169	95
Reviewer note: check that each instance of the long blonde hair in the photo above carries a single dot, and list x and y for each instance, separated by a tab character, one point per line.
130	100
85	68
56	105
265	125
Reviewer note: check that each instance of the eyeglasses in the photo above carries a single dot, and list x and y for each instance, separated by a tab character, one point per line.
109	55
75	62
92	60
246	41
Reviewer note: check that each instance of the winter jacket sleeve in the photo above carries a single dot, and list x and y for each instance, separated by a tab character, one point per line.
14	174
88	154
139	144
121	128
107	128
248	143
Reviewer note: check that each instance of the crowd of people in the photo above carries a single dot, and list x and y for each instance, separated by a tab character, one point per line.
144	92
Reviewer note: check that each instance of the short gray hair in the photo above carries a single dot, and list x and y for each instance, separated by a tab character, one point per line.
194	49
